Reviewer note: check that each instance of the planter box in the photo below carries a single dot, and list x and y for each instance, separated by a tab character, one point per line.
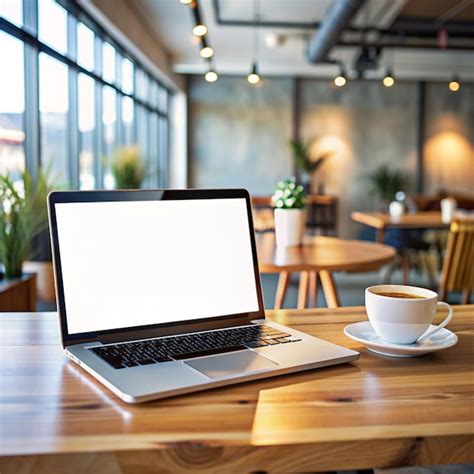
18	294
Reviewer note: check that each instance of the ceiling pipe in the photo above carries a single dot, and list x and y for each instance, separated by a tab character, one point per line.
337	18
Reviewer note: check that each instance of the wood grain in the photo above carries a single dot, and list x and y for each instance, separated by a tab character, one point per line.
318	254
377	412
381	220
322	253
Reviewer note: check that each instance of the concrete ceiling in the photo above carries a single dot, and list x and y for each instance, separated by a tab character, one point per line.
172	23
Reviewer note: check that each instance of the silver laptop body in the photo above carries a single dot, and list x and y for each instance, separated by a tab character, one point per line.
159	293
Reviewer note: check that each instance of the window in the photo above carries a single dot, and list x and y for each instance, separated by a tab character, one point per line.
85	46
86	121
153	165
142	138
142	85
79	104
53	95
12	106
109	119
127	76
12	10
52	25
163	152
108	62
128	112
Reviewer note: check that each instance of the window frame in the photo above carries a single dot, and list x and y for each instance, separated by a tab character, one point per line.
28	34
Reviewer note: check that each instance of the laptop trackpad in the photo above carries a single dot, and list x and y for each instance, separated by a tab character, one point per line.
231	363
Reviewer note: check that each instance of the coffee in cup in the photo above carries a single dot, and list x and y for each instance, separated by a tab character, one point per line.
403	314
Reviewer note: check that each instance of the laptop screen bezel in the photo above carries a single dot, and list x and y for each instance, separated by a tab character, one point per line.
154	330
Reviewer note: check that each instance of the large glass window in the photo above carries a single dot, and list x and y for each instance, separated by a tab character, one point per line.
109	119
53	95
142	138
52	25
153	165
86	111
163	151
82	104
12	10
127	76
12	106
85	46
108	62
128	122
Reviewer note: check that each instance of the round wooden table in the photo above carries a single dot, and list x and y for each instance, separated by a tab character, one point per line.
316	259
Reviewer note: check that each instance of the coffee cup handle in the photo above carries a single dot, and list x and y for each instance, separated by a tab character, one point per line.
448	318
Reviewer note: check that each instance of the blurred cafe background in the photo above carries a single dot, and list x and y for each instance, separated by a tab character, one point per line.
369	105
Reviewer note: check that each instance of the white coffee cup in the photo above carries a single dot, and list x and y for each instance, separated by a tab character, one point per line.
396	210
403	320
448	209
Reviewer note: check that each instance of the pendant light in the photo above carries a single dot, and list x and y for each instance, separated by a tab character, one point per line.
341	79
254	77
454	85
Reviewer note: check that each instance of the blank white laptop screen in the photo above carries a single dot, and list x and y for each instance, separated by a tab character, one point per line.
127	264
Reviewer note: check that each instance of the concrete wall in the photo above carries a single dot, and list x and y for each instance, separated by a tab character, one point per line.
449	135
238	135
365	125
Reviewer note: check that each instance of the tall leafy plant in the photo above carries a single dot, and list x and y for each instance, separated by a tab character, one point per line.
385	183
23	215
303	161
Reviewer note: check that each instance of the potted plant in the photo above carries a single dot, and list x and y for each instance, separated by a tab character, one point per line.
385	183
23	216
127	168
307	164
290	213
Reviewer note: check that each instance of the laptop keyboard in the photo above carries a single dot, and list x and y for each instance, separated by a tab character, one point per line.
165	349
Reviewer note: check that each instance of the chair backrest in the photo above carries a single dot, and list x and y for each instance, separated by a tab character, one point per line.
458	267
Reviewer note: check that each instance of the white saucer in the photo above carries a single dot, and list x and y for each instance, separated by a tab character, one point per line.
363	332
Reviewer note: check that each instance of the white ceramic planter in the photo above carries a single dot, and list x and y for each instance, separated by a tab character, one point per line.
289	227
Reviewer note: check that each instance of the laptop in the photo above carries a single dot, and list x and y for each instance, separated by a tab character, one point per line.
159	293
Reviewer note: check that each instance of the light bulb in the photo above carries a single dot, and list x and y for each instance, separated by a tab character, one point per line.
454	86
211	76
186	2
199	30
206	52
388	81
340	81
253	78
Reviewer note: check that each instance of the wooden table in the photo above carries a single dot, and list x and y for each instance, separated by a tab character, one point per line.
318	257
381	221
322	213
376	412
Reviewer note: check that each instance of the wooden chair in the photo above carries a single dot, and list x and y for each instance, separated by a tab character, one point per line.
458	268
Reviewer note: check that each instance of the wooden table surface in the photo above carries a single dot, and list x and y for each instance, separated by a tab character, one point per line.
375	412
382	221
321	255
